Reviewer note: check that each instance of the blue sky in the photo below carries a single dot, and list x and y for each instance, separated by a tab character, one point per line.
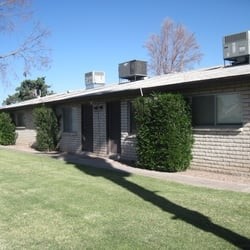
97	35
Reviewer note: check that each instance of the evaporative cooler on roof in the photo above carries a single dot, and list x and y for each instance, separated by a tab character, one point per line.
94	79
133	70
236	48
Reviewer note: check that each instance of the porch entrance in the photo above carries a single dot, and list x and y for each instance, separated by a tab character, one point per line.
87	128
114	127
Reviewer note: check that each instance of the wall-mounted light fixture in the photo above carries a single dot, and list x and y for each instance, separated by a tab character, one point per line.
100	107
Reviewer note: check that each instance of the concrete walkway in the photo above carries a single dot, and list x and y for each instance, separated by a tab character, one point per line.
190	177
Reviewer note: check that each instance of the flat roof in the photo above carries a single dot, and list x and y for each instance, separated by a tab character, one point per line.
175	79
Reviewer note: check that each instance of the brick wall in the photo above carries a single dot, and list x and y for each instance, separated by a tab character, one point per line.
99	129
25	137
26	134
71	141
128	141
224	149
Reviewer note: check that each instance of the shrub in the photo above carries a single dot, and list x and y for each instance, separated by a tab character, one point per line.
7	130
164	134
47	129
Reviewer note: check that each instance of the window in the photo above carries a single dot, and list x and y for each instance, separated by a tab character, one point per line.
214	110
69	119
203	110
229	110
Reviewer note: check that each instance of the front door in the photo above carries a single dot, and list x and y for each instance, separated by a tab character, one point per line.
87	128
114	127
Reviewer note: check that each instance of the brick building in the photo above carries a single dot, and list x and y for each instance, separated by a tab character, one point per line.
100	120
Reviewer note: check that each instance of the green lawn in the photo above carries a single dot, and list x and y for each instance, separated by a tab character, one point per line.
49	204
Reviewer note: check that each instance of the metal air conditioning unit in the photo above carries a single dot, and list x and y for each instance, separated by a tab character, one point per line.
133	70
236	48
94	79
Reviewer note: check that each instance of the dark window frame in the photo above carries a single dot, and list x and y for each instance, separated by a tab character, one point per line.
67	113
214	122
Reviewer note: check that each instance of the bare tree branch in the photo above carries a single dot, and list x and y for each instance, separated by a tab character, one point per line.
31	52
173	50
11	11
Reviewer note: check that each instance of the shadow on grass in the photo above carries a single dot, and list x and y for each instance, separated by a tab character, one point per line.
194	218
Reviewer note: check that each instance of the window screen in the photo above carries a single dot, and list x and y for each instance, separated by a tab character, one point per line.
229	109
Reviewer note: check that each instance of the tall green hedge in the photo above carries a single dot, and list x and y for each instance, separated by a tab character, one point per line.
47	129
164	134
7	130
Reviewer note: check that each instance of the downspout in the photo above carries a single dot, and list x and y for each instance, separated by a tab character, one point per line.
141	91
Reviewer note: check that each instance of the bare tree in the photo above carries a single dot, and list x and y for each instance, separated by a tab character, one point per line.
31	52
173	50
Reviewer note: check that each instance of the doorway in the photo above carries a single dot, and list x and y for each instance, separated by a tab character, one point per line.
87	128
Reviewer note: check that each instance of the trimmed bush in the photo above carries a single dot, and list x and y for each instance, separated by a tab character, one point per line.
7	130
164	132
47	129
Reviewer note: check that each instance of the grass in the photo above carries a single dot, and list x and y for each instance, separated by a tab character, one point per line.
51	204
